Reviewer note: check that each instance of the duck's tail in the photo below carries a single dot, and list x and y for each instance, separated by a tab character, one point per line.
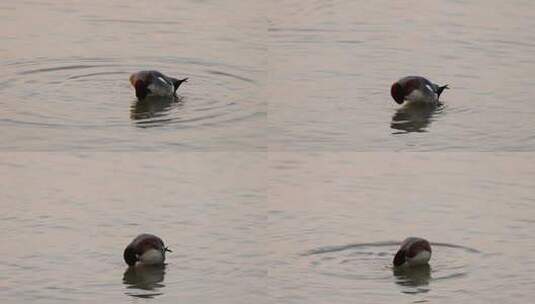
440	89
178	82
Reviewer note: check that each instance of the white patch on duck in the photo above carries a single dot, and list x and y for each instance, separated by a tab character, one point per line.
152	257
419	259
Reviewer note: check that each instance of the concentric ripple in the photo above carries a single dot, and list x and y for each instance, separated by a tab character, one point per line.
373	261
88	102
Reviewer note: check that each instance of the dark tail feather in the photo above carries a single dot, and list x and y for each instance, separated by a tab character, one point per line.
178	82
440	89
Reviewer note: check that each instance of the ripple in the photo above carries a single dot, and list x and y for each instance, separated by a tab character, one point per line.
231	75
60	68
94	74
372	261
132	21
93	95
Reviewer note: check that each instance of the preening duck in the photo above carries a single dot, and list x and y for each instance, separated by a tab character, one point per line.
416	89
412	252
154	83
146	249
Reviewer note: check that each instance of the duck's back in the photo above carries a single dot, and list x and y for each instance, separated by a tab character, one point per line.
146	241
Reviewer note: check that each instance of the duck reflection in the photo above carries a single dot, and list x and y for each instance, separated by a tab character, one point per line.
153	107
414	117
413	277
145	278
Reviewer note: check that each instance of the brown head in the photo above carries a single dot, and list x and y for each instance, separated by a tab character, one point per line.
130	256
399	258
141	89
397	92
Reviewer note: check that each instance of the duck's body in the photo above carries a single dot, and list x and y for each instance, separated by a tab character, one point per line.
416	89
146	249
413	252
154	83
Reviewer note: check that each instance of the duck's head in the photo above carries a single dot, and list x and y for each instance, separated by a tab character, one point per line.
397	92
141	89
130	256
399	258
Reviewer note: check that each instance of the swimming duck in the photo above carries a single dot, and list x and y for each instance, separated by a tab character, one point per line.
413	251
154	83
416	89
147	249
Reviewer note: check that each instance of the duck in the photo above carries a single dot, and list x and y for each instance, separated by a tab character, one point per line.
416	89
154	83
414	251
145	249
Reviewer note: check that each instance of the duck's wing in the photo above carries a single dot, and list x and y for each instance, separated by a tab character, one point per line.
164	81
160	84
418	246
151	243
146	239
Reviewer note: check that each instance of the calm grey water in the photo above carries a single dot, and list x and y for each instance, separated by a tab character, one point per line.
332	64
260	176
67	218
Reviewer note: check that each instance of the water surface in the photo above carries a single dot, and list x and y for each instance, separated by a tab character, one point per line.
336	221
300	80
332	64
322	70
65	68
66	220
